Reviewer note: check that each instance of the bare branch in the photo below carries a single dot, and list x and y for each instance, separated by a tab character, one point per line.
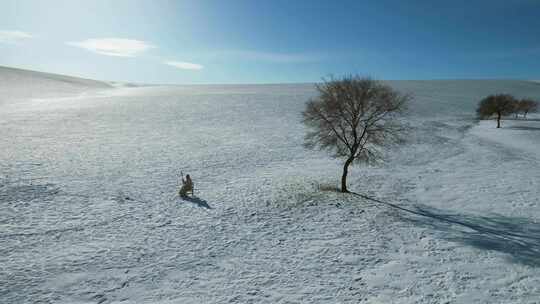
354	117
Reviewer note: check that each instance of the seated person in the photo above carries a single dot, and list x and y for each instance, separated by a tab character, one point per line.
187	186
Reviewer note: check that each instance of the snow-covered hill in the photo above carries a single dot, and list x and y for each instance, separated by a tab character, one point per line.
88	214
18	84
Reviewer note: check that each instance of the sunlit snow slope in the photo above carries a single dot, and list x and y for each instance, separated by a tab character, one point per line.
17	84
88	213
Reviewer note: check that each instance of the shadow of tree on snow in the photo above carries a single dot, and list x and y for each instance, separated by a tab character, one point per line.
524	128
517	237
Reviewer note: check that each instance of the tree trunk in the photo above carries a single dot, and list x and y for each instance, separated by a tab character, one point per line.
498	119
344	176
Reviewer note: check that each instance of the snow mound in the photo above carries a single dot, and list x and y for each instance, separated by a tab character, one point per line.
18	84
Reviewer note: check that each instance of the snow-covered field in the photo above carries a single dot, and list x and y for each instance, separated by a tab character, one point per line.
87	213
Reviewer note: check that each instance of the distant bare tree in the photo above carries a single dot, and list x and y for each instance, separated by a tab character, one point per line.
354	117
526	106
500	105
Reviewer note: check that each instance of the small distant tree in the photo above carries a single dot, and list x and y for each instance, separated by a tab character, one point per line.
526	106
499	105
354	117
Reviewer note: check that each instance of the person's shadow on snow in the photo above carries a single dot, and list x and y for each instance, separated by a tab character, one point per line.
197	201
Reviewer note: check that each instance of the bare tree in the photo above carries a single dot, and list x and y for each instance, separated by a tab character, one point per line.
526	106
500	105
353	117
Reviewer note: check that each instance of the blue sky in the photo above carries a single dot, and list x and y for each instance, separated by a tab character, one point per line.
272	41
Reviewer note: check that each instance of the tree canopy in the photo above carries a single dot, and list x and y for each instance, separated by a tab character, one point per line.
354	118
499	105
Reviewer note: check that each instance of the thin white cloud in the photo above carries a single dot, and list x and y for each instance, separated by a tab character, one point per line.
113	46
13	36
184	65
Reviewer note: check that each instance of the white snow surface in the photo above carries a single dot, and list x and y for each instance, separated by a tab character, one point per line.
87	213
19	85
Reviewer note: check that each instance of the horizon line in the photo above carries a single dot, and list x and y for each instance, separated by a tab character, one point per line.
250	83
